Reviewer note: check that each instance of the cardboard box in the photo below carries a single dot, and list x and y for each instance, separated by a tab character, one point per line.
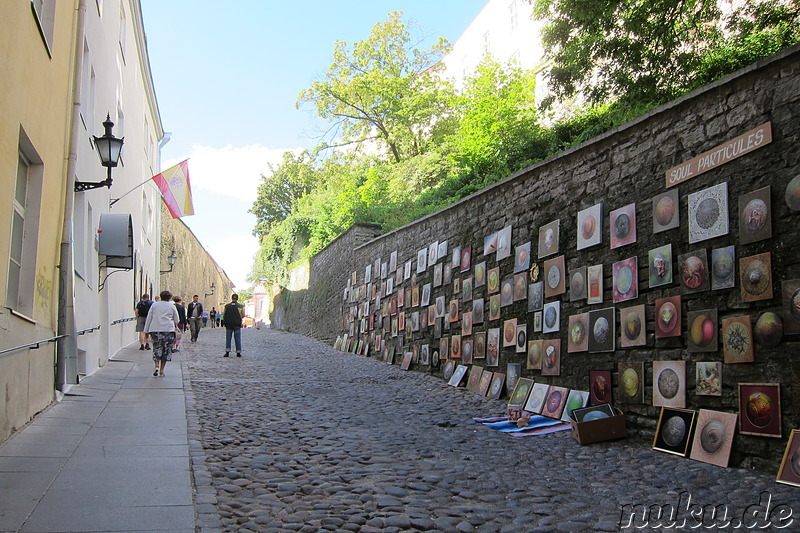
600	430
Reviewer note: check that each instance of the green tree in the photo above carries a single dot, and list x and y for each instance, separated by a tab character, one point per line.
383	89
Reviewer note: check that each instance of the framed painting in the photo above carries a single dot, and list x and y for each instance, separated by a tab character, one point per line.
507	292
493	280
441	307
593	412
407	270
485	383
669	384
480	274
555	401
477	311
600	387
406	364
674	430
693	271
552	317
602	330
536	398
479	345
537	321
437	274
426	295
494	307
493	347
504	243
577	284
633	324
466	289
455	257
789	472
548	238
659	264
444	347
790	298
458	375
551	357
466	259
755	275
590	226
535	296
594	277
708	378
631	382
422	261
625	276
414	296
513	372
510	332
578	333
723	268
755	216
433	319
455	346
535	352
466	323
713	437
575	400
668	317
448	274
702	331
433	253
496	387
448	369
425	355
522	257
666	211
452	315
622	222
760	409
521	391
522	338
393	261
466	351
520	286
474	379
490	244
708	213
554	277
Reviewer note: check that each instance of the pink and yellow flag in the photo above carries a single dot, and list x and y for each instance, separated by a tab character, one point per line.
176	189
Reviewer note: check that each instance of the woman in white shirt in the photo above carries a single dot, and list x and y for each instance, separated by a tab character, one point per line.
162	319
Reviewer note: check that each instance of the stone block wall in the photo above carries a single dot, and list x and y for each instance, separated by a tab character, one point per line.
626	166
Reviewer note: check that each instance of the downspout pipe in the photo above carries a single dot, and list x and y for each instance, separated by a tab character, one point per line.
67	348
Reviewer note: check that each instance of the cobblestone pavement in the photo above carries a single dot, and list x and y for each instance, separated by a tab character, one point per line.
295	436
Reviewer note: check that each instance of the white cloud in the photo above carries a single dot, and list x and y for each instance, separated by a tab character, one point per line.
235	255
233	171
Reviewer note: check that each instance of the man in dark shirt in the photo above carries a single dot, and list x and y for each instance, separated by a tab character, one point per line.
141	310
232	320
195	315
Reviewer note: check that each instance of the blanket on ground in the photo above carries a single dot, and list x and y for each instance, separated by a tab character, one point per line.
538	425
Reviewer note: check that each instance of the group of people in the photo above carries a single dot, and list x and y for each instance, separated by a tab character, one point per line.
164	320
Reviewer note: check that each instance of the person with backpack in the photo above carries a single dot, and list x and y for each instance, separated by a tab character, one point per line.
232	320
141	310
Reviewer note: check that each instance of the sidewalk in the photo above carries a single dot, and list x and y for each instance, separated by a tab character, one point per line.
112	456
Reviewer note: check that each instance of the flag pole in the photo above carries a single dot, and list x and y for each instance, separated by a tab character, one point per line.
115	200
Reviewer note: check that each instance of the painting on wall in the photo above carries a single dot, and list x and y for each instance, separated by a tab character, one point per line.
708	378
485	383
521	391
480	274
493	347
466	323
723	267
448	369
668	317
496	388
433	251
548	239
577	284
455	257
522	338
448	274
693	271
789	471
522	257
578	337
622	222
625	279
466	289
474	379
536	398
507	292
477	311
737	339
600	387
437	274
535	354
509	332
577	399
493	280
479	345
458	375
555	401
666	211
755	216
713	437
659	262
551	357
513	371
633	324
441	307
669	384
552	317
594	276
755	273
760	409
708	213
520	286
631	382
494	307
422	260
466	351
590	226
554	277
790	298
702	331
466	259
426	295
504	243
535	296
455	346
490	244
537	321
673	431
602	331
453	313
442	251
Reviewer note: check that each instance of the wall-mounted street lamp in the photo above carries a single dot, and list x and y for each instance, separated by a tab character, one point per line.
109	149
171	260
213	288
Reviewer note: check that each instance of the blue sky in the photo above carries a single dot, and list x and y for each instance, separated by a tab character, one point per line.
227	80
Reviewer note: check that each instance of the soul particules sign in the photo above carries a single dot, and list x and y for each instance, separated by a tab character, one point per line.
741	145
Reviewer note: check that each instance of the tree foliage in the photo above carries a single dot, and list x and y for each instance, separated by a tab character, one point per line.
278	193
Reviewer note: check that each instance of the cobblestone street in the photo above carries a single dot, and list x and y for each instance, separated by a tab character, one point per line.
297	436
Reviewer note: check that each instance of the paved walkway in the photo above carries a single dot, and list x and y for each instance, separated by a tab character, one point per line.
295	436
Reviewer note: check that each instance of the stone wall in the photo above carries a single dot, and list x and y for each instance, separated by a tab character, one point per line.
628	165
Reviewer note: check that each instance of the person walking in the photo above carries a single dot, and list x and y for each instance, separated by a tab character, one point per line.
181	324
205	318
232	320
194	313
141	311
162	319
213	316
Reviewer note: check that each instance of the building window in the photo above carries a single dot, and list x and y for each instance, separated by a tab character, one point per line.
512	14
123	30
45	13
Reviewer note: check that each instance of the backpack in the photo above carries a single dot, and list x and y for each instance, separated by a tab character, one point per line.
144	307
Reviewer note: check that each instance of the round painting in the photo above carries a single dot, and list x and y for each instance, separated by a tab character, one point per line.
553	277
668	383
712	436
674	430
630	382
693	272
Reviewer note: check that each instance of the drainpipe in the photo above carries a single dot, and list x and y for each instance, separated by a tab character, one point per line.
67	347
